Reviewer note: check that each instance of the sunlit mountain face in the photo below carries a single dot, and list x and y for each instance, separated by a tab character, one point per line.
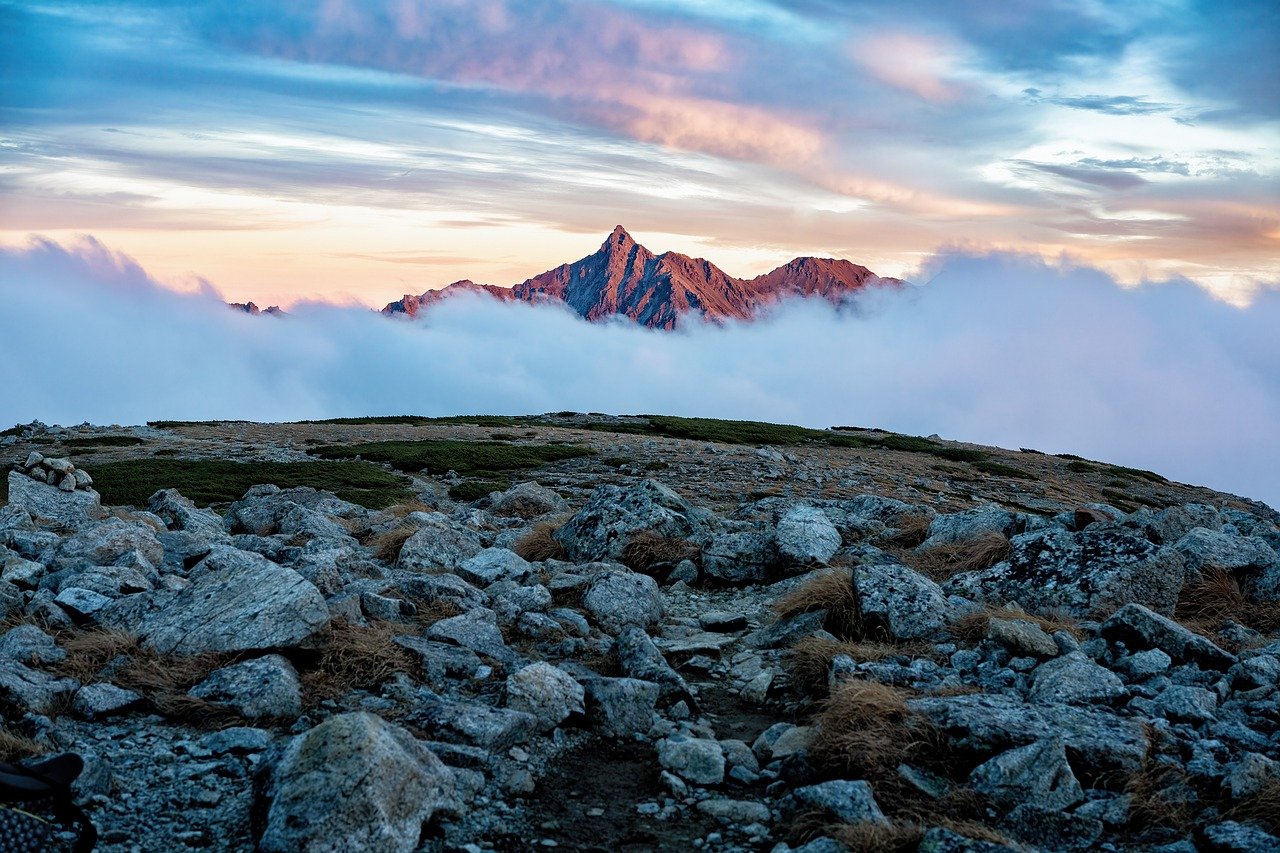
358	151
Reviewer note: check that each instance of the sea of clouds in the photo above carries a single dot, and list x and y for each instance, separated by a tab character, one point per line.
996	348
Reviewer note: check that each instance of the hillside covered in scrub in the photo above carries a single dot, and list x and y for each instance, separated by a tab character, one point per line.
597	632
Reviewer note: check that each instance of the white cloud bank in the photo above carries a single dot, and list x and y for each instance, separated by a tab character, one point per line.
997	349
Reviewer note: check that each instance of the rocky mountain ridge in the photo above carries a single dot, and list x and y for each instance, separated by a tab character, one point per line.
643	664
625	279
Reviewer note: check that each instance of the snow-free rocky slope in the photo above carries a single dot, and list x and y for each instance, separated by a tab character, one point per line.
842	640
624	278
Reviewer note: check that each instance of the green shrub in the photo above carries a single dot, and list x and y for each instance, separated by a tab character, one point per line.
210	481
473	490
468	458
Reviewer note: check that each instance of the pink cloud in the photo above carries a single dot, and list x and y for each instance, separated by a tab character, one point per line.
919	64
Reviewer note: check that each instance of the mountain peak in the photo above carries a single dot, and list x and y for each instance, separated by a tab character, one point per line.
618	238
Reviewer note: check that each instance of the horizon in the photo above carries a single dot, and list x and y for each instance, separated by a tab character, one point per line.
270	151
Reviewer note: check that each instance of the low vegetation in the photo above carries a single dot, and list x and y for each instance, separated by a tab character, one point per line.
951	558
971	627
832	592
211	481
1208	602
648	550
468	458
474	490
540	543
356	657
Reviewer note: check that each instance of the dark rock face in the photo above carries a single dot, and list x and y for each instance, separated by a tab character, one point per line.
624	278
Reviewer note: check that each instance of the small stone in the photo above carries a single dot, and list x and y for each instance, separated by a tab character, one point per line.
95	701
722	621
696	760
1022	637
849	801
547	692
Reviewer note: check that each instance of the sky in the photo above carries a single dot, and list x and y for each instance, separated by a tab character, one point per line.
357	150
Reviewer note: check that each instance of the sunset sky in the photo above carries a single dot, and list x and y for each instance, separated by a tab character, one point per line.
362	149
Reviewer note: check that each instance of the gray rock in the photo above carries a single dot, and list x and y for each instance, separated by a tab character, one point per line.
180	513
939	840
620	707
1036	773
1022	637
95	701
428	589
613	515
969	525
1192	704
1233	837
261	509
49	505
1250	774
548	693
473	723
437	545
28	644
722	621
738	557
262	688
851	802
20	571
476	630
527	500
984	724
1075	679
617	599
1213	550
1051	830
82	604
495	564
639	658
237	601
237	740
1139	628
1260	670
805	536
441	660
355	782
1172	523
104	542
899	602
697	760
31	690
1143	665
1103	566
739	812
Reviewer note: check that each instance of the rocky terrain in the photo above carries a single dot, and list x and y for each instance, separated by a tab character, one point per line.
625	279
650	633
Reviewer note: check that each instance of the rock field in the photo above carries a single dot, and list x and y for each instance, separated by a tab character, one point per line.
691	646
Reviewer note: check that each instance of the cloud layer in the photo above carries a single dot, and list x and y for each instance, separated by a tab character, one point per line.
996	348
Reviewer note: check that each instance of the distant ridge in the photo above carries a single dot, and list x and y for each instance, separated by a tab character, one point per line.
624	278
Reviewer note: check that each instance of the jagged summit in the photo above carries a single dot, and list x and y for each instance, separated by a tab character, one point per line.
625	278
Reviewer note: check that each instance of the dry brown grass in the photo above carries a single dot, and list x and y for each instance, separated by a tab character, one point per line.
912	530
648	550
864	727
971	627
1215	597
401	510
540	544
952	558
432	612
811	657
1161	797
1262	808
355	657
15	747
831	591
386	545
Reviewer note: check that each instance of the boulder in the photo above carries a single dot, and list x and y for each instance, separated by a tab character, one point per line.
261	509
1187	703
1074	679
613	515
847	801
527	500
437	545
476	630
494	564
263	688
1036	773
237	601
473	723
617	599
354	782
30	645
739	557
1233	837
1139	628
985	724
1248	558
639	658
696	760
548	693
31	690
806	536
620	707
1022	637
180	513
1102	567
50	505
102	543
95	701
969	525
898	602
